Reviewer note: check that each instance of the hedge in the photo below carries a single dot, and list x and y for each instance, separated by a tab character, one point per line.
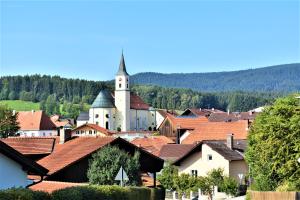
105	192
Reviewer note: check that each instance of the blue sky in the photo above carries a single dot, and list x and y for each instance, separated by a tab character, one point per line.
84	39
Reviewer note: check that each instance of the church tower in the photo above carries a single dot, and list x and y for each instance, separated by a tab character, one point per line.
122	97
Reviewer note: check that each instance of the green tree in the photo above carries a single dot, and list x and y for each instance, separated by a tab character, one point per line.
274	145
166	178
106	163
8	122
51	105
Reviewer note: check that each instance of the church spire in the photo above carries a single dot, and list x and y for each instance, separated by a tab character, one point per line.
122	67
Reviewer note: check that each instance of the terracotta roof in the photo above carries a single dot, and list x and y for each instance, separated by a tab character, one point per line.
94	127
173	152
137	103
31	145
152	144
34	120
186	122
235	116
200	112
162	113
27	165
51	186
72	151
59	122
217	131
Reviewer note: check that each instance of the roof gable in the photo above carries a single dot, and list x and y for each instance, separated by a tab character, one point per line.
34	120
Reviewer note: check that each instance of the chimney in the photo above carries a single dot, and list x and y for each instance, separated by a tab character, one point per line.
14	112
230	141
62	135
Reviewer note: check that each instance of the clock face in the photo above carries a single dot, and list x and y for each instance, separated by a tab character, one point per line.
120	79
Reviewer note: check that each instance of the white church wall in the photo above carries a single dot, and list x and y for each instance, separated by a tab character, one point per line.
100	116
139	119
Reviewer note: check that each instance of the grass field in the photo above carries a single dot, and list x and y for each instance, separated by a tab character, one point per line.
19	105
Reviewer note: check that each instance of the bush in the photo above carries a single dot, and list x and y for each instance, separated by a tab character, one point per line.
229	186
92	192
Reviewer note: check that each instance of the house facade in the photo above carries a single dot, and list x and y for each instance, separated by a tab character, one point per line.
122	110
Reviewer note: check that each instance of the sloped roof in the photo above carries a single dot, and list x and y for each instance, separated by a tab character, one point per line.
186	122
122	67
173	152
137	103
83	116
58	122
34	120
94	127
51	186
231	117
200	112
27	164
221	148
217	131
152	144
104	100
31	145
72	151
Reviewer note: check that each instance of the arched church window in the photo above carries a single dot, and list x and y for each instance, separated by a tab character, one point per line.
107	115
106	125
120	85
127	85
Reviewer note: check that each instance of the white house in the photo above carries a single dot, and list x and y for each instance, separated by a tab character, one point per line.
121	110
35	124
14	168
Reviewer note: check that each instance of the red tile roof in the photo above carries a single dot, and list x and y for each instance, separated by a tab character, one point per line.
58	122
137	103
186	122
152	144
172	152
34	120
31	145
72	151
217	131
51	186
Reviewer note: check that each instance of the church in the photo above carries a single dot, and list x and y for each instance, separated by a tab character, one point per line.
121	110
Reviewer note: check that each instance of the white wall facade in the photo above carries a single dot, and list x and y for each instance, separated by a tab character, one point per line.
102	116
37	133
11	173
140	120
159	119
199	161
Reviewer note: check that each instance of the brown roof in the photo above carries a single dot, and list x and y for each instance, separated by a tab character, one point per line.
59	122
152	144
72	151
31	145
137	103
200	112
27	165
217	131
34	120
229	154
186	122
230	117
174	151
94	127
51	186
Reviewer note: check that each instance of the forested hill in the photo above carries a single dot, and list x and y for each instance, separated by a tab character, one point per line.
280	78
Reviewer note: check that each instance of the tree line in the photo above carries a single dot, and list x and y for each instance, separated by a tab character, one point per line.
69	96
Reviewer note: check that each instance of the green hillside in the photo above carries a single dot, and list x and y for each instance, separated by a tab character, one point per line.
20	105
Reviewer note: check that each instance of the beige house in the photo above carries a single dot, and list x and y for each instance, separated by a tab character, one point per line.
213	154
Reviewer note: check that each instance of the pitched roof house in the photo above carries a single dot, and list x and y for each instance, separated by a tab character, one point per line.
213	154
197	112
14	168
35	123
69	161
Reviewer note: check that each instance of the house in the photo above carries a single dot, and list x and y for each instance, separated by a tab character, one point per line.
121	110
173	127
197	112
51	186
161	115
152	144
215	131
232	117
90	130
172	152
35	124
82	118
14	168
33	148
212	154
69	161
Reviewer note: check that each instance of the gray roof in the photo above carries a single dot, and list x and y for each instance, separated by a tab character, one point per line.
122	67
103	100
83	116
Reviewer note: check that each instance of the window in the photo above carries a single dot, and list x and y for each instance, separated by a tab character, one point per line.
127	85
209	157
96	116
194	173
90	132
44	134
82	132
107	115
77	132
106	125
120	85
95	132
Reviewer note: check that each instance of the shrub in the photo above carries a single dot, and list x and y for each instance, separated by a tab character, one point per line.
229	186
23	194
166	178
